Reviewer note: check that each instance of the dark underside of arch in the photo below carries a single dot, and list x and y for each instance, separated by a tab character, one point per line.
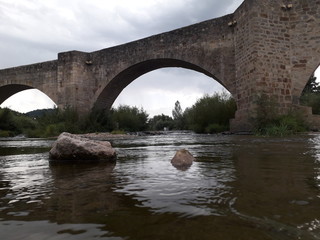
123	79
9	90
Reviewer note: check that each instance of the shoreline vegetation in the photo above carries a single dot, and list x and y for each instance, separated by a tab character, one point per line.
209	115
268	122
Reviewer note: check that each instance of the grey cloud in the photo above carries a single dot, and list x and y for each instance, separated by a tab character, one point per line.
167	18
89	27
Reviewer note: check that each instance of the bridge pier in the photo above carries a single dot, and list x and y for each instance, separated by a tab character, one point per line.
76	83
242	122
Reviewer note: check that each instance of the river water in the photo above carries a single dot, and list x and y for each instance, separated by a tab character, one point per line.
240	187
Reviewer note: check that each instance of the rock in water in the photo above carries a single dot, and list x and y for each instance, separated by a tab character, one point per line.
183	159
72	147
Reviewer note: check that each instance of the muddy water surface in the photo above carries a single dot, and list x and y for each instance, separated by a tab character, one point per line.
240	187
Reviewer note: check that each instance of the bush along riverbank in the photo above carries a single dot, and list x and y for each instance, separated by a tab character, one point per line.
210	114
268	122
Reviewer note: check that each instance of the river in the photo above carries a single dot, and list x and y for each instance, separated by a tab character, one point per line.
240	187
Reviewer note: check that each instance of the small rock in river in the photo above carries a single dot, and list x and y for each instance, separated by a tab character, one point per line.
183	159
72	147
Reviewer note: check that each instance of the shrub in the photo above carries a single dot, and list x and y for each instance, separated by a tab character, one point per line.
274	130
216	128
311	100
268	122
4	133
211	113
159	122
129	118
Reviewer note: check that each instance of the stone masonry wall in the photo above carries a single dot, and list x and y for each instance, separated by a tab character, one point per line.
245	59
277	50
206	47
305	43
42	76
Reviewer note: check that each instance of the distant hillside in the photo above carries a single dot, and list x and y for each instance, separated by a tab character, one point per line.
39	112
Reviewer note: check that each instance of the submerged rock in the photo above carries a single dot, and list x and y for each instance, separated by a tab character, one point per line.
183	159
70	147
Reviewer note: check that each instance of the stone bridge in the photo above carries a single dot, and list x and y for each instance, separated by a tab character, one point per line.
266	47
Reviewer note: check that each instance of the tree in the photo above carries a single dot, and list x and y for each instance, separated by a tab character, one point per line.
178	116
159	122
312	86
211	114
177	111
129	118
311	95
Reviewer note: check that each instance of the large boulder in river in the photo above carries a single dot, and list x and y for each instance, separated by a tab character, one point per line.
183	159
72	147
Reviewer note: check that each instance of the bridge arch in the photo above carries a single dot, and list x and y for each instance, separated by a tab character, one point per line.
10	90
115	86
301	77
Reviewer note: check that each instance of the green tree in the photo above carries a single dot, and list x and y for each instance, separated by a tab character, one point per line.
159	122
129	118
7	120
97	121
312	86
13	123
178	116
211	114
177	111
311	95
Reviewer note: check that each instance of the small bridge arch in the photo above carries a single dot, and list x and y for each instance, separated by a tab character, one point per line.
9	90
25	101
40	76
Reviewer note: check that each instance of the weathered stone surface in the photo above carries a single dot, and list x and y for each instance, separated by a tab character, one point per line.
72	147
182	159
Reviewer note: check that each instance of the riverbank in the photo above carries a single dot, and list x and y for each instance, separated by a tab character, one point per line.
108	135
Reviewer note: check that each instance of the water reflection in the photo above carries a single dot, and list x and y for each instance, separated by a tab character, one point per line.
275	179
81	192
239	188
156	184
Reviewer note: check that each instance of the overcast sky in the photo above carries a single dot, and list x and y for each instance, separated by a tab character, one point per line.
36	30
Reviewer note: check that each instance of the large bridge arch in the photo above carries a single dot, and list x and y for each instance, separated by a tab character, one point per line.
113	88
